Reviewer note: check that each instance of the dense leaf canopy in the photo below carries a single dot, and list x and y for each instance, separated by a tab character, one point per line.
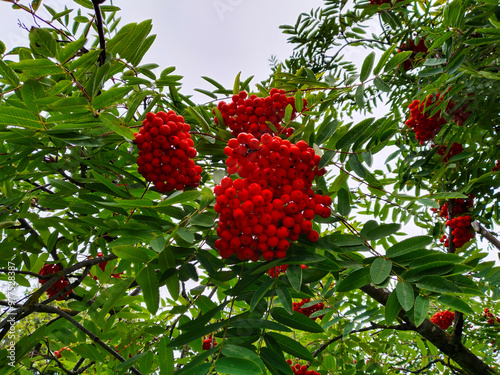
199	284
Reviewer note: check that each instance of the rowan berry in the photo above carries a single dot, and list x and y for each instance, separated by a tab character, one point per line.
443	319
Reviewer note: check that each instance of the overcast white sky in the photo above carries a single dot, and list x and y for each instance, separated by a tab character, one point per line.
214	38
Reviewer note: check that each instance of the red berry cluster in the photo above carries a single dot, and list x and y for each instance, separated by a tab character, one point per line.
491	319
455	149
273	202
299	369
416	48
276	271
460	206
209	343
58	354
460	114
496	167
251	114
425	127
102	266
461	230
443	319
59	285
166	152
307	311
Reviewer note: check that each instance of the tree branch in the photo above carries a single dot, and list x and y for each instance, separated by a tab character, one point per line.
469	362
54	310
486	234
100	31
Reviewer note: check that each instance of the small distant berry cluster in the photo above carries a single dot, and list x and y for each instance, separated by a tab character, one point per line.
461	230
58	285
455	149
307	311
491	319
276	271
460	114
299	369
460	206
496	167
425	127
208	343
416	48
273	202
166	152
443	319
251	114
58	354
102	266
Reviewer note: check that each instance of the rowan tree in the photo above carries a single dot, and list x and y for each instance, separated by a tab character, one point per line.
263	231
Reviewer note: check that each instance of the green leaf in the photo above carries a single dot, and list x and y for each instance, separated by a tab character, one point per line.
405	295
260	292
445	195
396	60
292	346
392	308
185	234
201	321
359	96
285	298
189	336
383	230
149	284
258	323
296	320
356	165
383	59
235	351
457	303
408	245
165	357
299	103
274	361
353	134
8	74
434	61
367	67
420	310
70	49
38	67
236	86
294	275
288	113
111	97
381	85
31	91
180	197
343	202
173	286
135	254
195	365
116	125
122	193
326	131
325	159
42	42
19	117
354	280
113	294
380	270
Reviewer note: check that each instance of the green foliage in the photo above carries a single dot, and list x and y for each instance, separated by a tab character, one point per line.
70	189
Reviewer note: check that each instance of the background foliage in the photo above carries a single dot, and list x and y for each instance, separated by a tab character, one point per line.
70	104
